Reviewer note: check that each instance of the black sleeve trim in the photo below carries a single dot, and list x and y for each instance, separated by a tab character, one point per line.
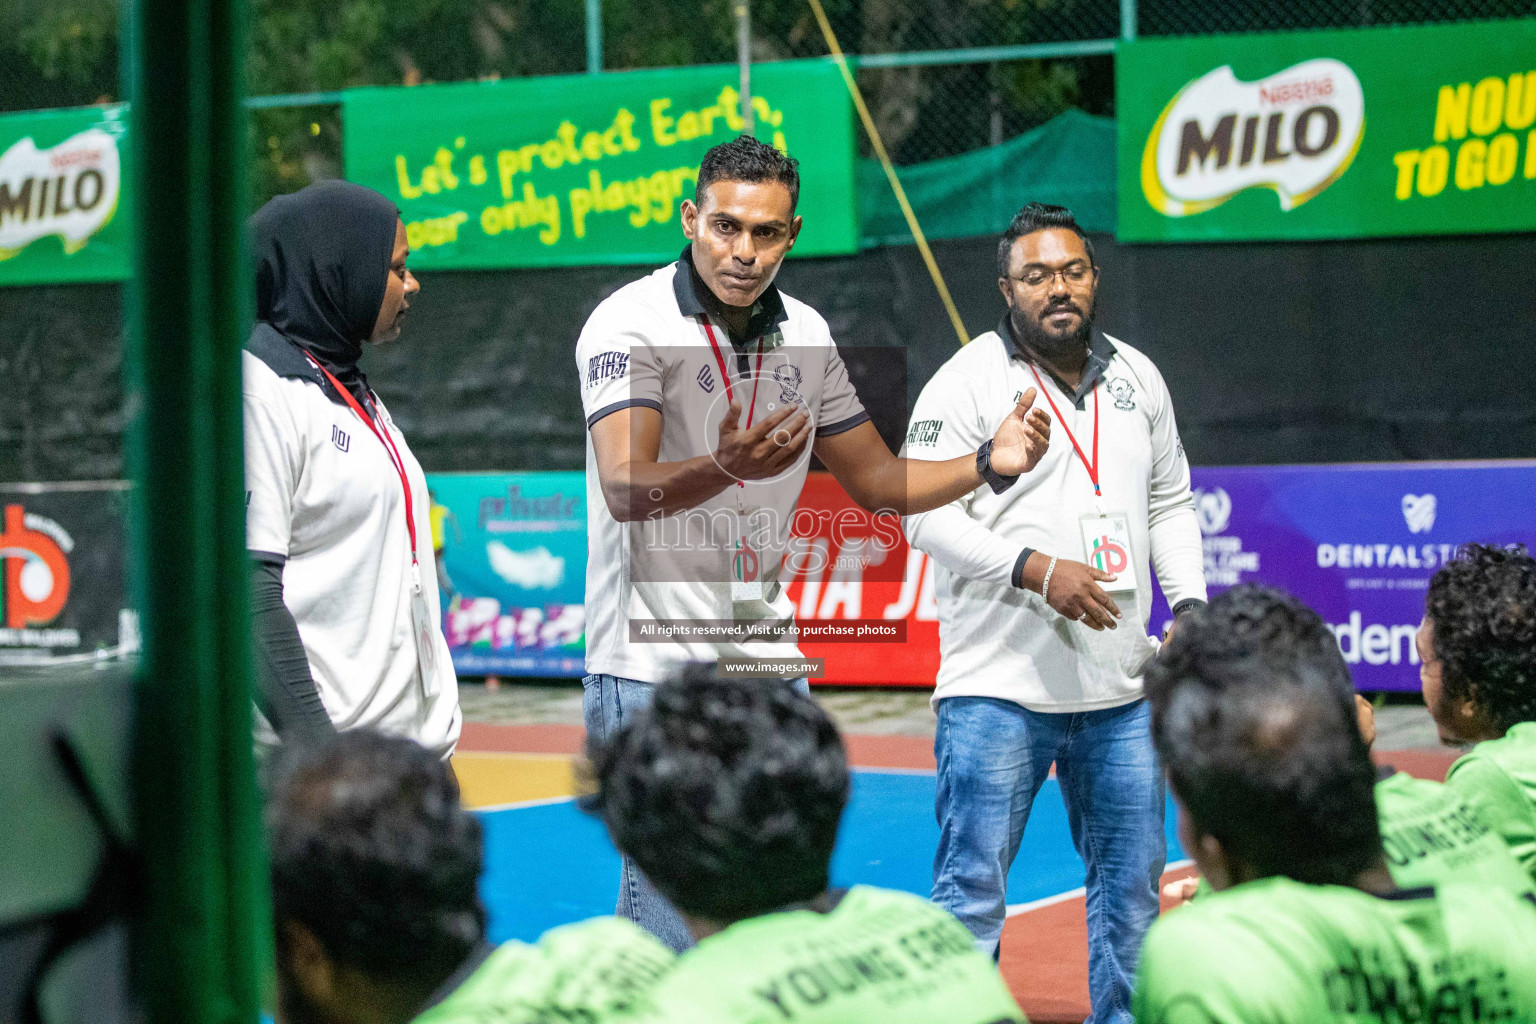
1187	605
1018	567
608	410
268	557
285	690
843	426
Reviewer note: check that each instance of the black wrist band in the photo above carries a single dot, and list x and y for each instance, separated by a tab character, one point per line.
1189	604
996	481
1018	567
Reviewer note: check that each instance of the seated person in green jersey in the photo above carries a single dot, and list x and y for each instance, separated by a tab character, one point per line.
1477	655
1254	719
1429	832
727	794
376	912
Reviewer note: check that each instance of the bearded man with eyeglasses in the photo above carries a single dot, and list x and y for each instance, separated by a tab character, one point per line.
1044	595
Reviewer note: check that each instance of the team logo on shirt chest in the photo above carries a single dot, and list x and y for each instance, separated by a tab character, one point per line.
706	379
340	439
788	378
1122	392
606	366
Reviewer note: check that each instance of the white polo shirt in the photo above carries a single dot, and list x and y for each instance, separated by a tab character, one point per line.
995	638
322	493
647	345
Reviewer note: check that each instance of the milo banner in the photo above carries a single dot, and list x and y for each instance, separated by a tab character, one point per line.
62	218
63	596
512	565
574	170
1345	134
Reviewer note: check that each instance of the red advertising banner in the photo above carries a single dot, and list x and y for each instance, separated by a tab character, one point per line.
846	570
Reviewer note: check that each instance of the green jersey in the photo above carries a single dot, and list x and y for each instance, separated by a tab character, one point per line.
1276	951
595	971
1499	776
878	957
1433	835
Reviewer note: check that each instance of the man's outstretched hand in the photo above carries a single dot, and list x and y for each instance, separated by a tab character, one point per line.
1021	442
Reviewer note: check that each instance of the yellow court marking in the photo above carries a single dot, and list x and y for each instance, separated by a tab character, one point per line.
491	779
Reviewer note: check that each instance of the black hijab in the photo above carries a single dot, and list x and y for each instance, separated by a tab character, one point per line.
322	263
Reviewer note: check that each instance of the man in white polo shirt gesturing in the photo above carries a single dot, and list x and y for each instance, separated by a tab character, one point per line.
705	391
1044	597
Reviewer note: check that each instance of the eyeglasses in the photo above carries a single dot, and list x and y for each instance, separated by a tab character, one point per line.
1074	274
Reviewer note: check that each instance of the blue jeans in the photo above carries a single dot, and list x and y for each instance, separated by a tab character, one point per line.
993	755
606	704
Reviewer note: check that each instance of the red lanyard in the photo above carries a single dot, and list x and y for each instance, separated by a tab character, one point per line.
1091	467
389	448
720	359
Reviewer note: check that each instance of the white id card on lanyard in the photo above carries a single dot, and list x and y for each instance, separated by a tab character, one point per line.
1107	547
424	631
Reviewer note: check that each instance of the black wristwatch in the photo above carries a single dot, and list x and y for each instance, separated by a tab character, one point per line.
994	479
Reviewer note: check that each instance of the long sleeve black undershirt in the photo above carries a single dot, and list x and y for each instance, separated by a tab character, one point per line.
285	691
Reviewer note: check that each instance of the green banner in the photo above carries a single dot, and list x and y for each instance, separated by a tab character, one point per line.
62	218
573	170
1367	132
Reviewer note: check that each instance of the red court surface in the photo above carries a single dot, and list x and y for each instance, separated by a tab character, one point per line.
1045	947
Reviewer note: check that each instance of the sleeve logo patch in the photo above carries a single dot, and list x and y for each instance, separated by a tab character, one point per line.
607	366
924	432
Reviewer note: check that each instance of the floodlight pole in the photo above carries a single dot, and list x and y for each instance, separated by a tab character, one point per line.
1128	20
744	60
594	36
200	939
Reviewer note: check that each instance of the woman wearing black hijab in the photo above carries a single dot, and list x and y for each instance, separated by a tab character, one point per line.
345	601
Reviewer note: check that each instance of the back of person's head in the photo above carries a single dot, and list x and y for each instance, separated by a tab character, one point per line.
746	159
374	857
1254	719
1481	608
727	793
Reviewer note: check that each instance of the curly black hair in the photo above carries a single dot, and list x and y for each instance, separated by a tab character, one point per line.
1482	611
372	852
727	793
1253	716
1034	217
744	158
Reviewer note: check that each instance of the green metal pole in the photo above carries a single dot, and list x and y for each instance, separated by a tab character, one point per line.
594	36
1128	20
198	945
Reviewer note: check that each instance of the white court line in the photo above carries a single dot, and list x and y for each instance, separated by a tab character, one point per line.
518	805
1015	909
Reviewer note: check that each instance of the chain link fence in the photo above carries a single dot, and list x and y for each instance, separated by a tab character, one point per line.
941	77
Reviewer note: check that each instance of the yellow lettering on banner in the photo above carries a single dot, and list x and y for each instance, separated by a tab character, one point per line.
477	175
533	210
1405	161
1520	101
661	124
729	105
1487	106
650	198
1469	164
1503	154
434	231
403	177
1530	156
1451	111
1434	168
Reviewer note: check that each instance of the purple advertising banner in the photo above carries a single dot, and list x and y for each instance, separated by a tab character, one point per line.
1358	543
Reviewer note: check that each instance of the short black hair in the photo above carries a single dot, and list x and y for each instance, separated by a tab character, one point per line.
372	852
744	158
727	793
1482	611
1038	217
1253	715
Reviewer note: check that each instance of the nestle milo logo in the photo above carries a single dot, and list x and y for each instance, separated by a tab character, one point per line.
1295	132
70	190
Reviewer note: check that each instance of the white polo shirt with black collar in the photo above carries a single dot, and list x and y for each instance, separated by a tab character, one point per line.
648	344
995	638
324	499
